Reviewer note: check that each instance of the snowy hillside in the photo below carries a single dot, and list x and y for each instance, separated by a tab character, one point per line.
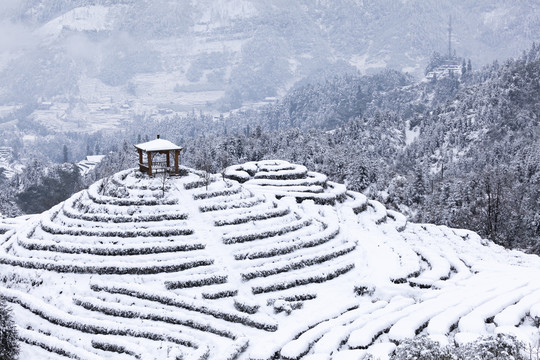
267	260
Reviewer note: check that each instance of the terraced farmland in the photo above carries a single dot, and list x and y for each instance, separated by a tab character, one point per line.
272	261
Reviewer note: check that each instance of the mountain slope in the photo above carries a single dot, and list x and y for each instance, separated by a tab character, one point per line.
285	263
221	54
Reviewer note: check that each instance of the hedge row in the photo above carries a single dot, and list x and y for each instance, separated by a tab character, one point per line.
295	265
324	198
54	345
312	179
302	189
286	306
107	250
219	294
298	172
281	165
238	349
185	303
399	218
228	239
380	211
85	206
242	203
358	203
403	280
66	217
240	176
216	193
302	281
203	281
300	297
68	212
198	183
109	200
246	308
120	349
269	214
54	229
135	269
139	312
282	248
87	325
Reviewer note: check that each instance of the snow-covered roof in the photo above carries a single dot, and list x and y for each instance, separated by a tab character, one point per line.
158	145
95	158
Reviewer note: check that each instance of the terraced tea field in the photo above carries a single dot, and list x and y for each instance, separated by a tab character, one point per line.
269	261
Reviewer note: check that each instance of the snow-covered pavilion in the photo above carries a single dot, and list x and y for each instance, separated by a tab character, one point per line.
158	146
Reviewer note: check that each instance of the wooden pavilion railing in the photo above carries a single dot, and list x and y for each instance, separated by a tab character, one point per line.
157	167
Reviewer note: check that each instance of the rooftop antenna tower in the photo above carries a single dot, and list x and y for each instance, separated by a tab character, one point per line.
450	37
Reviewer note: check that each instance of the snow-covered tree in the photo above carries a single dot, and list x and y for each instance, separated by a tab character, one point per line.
9	346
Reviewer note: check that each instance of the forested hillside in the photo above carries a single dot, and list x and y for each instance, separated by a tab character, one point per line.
462	150
479	155
228	53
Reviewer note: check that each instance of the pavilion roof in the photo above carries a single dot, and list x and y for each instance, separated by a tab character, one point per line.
158	145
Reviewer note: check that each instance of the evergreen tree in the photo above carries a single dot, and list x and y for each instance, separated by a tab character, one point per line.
65	156
9	346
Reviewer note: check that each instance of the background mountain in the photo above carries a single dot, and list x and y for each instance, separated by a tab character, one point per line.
222	54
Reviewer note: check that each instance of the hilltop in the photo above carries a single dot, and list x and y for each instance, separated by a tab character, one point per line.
267	259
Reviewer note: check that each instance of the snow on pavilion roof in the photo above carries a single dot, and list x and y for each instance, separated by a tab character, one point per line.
158	145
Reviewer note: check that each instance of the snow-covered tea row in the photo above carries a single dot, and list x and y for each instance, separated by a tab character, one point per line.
283	265
282	178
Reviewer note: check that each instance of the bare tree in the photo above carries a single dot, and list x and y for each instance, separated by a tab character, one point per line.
163	178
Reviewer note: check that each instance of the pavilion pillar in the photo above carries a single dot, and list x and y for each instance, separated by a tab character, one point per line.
149	154
176	154
168	158
140	159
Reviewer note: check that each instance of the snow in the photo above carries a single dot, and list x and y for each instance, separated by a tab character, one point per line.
252	270
85	18
411	134
221	12
364	64
158	145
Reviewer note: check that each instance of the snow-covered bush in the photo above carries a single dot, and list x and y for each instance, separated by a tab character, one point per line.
265	233
246	306
300	297
422	348
282	305
9	346
362	290
281	248
116	191
188	304
196	184
219	294
211	194
196	282
299	281
272	269
134	312
244	218
500	347
112	348
234	204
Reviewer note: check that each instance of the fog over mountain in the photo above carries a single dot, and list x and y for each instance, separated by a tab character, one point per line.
222	54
